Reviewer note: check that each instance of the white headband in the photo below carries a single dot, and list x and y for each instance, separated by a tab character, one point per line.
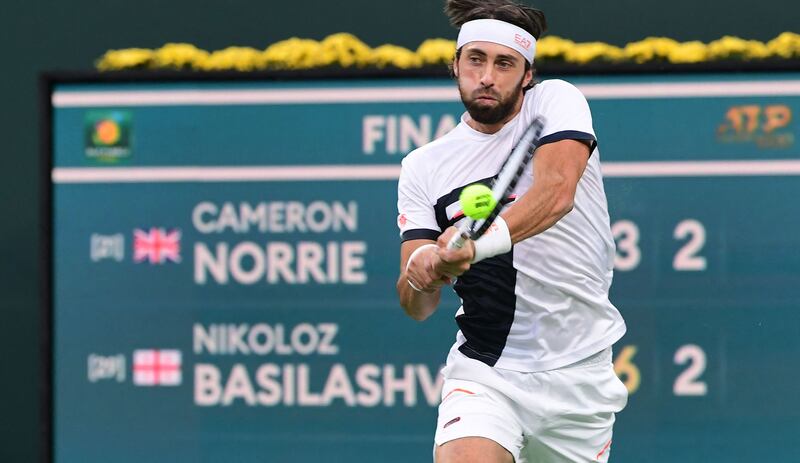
500	32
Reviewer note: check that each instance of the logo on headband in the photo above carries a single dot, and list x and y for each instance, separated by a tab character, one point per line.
525	43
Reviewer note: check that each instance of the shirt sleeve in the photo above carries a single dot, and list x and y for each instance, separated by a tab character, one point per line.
416	218
566	112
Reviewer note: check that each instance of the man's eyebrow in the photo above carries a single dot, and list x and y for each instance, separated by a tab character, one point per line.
502	56
477	51
508	57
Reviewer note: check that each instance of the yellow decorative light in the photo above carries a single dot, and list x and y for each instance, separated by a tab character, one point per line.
346	51
179	56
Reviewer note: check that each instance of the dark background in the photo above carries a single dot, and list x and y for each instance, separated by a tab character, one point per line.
42	35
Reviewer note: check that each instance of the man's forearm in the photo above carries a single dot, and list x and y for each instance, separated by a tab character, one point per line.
418	305
538	209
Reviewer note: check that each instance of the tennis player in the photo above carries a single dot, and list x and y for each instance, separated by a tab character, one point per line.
530	375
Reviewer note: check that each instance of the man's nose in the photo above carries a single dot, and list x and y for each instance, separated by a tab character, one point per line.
487	77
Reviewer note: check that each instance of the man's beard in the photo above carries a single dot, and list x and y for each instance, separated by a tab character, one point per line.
490	114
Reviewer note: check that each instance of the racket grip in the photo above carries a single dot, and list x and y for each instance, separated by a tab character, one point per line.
457	241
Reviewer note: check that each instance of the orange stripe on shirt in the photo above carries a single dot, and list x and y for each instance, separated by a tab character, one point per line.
603	451
457	390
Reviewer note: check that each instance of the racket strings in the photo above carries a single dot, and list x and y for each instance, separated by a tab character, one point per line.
479	228
519	156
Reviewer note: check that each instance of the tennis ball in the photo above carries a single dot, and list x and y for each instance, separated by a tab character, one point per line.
477	201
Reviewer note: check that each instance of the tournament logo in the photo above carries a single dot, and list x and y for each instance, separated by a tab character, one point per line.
157	367
156	246
765	126
108	135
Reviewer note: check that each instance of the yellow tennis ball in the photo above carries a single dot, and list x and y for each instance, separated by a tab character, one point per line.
477	201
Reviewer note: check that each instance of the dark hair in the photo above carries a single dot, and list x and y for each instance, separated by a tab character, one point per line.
523	16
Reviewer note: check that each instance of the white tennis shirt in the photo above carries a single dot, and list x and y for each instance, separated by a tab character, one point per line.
544	304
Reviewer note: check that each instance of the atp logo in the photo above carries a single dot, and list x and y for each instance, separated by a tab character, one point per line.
766	126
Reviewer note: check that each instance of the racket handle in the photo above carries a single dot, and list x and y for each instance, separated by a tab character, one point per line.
457	241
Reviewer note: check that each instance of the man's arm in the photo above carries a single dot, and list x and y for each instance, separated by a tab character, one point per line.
557	168
419	305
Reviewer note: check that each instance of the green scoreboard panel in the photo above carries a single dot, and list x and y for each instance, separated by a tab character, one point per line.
224	257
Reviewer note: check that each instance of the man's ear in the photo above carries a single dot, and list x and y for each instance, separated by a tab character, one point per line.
455	67
528	77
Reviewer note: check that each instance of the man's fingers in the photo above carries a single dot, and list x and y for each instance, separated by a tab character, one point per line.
425	275
445	237
429	272
454	256
425	284
452	269
414	286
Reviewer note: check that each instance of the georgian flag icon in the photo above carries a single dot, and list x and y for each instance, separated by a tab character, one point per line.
157	367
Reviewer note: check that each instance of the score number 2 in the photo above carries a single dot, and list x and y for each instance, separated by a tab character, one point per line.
688	382
687	259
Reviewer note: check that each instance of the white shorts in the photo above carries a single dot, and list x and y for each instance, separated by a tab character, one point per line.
562	415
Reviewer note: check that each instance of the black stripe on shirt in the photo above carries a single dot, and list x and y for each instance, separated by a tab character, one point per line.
571	135
489	301
420	234
487	293
440	208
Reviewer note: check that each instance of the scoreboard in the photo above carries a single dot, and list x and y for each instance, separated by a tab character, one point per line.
224	255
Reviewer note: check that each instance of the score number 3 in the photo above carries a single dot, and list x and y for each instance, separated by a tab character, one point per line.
629	255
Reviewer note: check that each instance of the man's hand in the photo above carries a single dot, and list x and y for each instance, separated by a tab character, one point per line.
453	262
422	271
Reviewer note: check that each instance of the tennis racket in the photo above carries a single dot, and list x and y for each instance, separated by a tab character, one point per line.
503	184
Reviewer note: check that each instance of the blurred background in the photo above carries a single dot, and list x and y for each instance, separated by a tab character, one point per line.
43	36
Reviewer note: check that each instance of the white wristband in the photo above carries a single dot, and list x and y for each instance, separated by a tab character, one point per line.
496	241
410	258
